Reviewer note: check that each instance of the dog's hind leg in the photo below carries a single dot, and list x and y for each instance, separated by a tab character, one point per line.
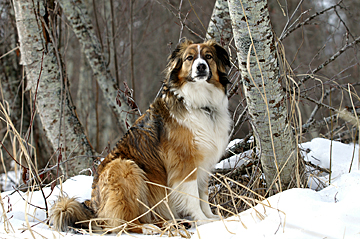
120	186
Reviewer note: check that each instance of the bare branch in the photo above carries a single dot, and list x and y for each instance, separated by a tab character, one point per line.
328	61
286	33
240	147
76	14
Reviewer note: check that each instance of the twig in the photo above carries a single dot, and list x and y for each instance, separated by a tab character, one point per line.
312	124
319	103
35	96
235	84
343	23
292	16
237	123
113	39
3	146
56	166
331	59
179	17
176	15
16	190
306	21
7	53
240	147
132	71
317	107
325	170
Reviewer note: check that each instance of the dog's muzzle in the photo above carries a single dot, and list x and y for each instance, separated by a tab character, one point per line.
200	70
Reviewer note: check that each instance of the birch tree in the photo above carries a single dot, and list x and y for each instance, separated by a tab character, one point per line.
49	90
258	62
77	15
220	23
10	71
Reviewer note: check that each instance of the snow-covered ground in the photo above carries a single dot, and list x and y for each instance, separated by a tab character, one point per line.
333	212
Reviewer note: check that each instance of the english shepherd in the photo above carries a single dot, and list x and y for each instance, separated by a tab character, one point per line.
163	160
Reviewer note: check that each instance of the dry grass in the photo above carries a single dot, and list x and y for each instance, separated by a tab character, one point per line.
230	192
232	198
236	192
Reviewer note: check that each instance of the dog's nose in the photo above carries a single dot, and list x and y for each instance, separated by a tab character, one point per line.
201	67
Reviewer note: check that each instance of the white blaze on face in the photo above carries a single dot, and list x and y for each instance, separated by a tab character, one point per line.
200	69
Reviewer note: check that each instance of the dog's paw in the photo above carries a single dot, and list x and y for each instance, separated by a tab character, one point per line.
201	222
210	218
213	217
185	223
150	229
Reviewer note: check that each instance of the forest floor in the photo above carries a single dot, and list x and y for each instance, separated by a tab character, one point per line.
333	212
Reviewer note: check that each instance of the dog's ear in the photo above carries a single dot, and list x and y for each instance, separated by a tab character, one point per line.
179	49
222	60
222	55
175	60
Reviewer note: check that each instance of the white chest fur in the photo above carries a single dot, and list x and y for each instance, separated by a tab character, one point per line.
208	118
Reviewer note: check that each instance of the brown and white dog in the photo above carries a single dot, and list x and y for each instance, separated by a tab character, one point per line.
184	131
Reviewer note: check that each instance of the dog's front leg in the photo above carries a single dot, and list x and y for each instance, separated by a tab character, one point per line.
205	206
186	199
204	195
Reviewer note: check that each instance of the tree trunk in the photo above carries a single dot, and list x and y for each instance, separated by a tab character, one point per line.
49	90
219	27
86	103
10	88
76	13
256	51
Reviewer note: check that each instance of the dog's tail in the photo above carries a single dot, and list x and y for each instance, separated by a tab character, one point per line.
67	212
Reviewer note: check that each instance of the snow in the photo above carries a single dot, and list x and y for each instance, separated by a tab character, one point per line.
9	179
235	160
333	212
341	153
342	157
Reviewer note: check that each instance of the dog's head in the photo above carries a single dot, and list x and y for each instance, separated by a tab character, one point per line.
191	62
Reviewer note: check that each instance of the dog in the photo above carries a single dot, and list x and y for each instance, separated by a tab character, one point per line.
163	160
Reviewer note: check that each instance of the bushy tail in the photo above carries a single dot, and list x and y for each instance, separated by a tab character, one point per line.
66	212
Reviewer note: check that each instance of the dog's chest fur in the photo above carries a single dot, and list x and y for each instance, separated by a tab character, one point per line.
207	118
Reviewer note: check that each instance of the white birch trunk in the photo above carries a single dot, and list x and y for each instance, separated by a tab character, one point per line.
76	13
220	23
262	86
43	77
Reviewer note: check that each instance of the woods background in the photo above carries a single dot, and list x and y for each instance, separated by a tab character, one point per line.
136	37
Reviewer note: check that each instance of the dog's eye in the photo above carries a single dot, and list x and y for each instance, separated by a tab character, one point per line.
189	58
208	56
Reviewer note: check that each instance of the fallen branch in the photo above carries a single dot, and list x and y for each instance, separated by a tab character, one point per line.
325	170
240	147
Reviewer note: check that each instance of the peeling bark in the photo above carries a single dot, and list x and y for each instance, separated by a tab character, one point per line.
49	90
262	86
76	13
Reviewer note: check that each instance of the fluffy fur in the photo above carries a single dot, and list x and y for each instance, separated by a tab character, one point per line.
185	128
